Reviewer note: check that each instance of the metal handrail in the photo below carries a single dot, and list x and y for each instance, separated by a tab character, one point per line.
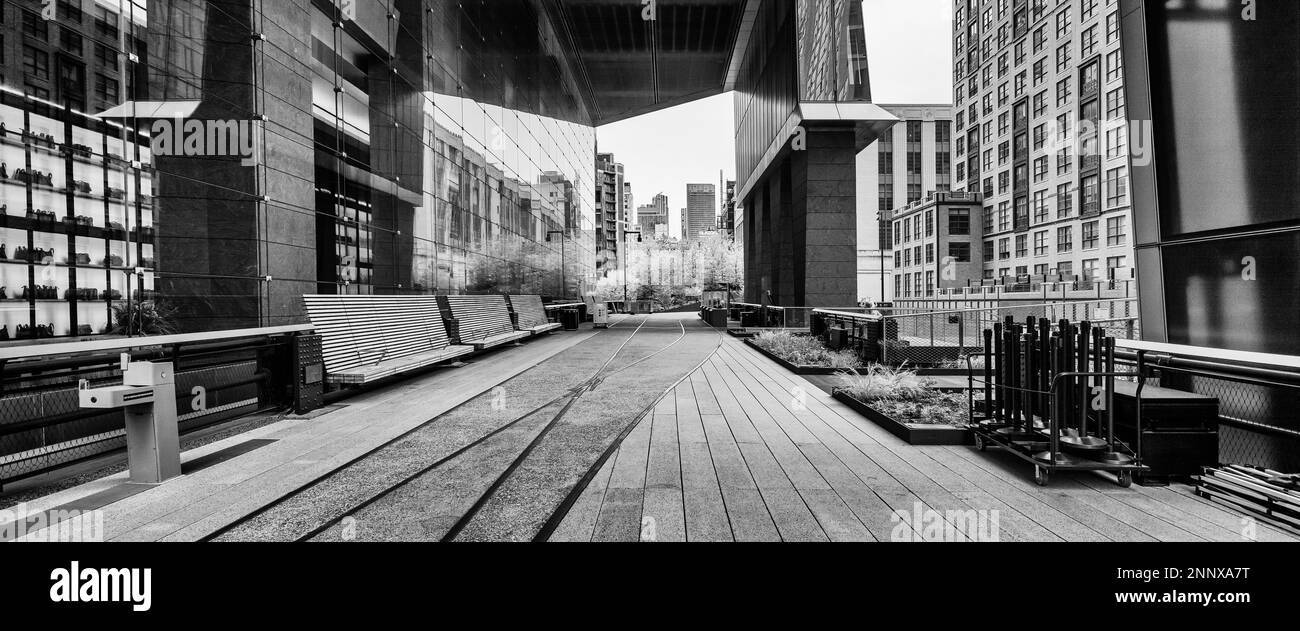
122	344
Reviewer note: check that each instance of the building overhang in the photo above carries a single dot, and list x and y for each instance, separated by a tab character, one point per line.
868	121
631	65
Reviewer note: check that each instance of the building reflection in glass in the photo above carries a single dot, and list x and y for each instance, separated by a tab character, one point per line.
414	146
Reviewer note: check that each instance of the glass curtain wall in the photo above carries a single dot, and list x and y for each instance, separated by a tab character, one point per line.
406	146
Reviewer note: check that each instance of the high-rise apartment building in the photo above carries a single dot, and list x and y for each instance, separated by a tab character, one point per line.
906	164
1041	131
609	212
701	210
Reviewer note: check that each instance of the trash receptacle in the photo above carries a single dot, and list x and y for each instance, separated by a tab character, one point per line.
718	318
748	319
836	339
569	318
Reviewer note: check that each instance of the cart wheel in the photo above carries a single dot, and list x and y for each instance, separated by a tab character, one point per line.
1125	479
1040	475
980	444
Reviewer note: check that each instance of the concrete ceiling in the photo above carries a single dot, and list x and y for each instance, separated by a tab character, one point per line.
633	66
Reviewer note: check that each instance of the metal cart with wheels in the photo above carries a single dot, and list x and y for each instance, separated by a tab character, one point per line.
1047	393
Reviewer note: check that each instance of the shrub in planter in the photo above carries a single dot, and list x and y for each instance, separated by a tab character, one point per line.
903	396
804	350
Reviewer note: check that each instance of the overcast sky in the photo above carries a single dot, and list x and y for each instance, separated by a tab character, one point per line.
910	54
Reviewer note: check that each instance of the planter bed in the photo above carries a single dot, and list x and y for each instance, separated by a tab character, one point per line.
913	433
798	370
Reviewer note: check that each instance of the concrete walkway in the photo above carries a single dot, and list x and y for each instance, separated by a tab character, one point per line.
656	429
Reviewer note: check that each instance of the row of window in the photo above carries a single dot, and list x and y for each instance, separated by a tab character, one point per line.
909	228
1116	235
1089	269
959	252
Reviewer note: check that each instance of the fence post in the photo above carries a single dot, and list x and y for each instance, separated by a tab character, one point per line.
884	341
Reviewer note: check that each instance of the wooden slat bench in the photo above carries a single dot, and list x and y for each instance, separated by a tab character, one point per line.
367	338
531	315
481	321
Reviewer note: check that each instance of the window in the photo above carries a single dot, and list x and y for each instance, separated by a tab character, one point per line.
1022	245
1063	58
1088	45
1063	24
1115	104
106	56
1040	39
1116	187
1040	169
907	230
1112	27
35	26
1040	136
1089	10
1004	181
70	41
1090	235
988	220
1114	263
1040	103
907	257
1063	92
1116	140
1004	216
1039	71
1003	65
929	223
1090	195
1040	269
1004	123
1114	65
929	283
1040	244
929	253
1064	201
1063	160
959	221
1003	95
1064	239
898	258
897	282
1004	153
917	280
105	89
1090	270
960	252
988	250
1040	206
1004	249
1115	231
1065	268
36	63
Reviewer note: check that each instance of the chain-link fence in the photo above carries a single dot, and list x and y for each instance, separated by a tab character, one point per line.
942	338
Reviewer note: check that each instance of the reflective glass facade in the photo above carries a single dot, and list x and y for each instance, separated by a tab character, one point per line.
402	146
